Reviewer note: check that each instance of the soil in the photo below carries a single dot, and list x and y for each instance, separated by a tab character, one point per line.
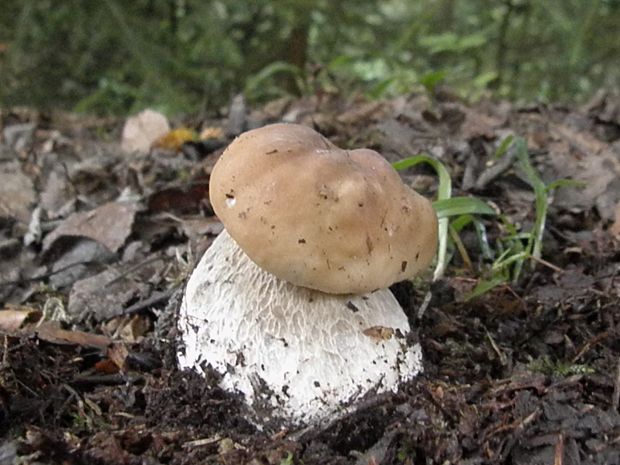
96	244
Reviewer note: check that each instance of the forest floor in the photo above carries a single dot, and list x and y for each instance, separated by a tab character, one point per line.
96	243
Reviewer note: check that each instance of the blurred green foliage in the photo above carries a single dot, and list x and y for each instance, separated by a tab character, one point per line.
114	56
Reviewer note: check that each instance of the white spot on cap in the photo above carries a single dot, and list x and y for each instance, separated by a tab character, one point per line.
230	202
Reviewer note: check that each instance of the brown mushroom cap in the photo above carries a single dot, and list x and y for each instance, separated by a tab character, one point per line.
338	221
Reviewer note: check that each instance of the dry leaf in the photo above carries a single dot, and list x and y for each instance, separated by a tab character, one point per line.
58	193
174	139
584	158
135	329
107	366
16	193
190	198
105	294
118	353
12	319
477	124
141	130
109	224
197	227
211	133
54	334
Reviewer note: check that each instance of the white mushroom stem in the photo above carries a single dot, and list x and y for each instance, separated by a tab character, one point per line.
296	354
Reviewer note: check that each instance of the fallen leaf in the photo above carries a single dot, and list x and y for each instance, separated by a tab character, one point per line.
141	130
118	354
104	295
135	329
362	112
58	193
19	136
51	332
75	259
211	133
477	124
195	228
13	318
109	224
16	193
398	137
107	366
173	140
584	158
188	199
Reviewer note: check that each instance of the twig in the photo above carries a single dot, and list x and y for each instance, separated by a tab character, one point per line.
496	169
509	288
202	442
146	261
48	274
589	345
156	298
500	354
518	426
438	404
547	264
113	379
427	300
27	388
559	451
615	398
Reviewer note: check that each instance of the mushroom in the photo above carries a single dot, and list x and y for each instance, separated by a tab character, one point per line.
290	302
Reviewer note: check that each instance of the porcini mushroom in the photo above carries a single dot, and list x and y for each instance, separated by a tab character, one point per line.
290	303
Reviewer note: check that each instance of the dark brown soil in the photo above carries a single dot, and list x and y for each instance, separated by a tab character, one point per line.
524	374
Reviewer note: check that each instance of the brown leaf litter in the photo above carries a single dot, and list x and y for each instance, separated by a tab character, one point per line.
525	374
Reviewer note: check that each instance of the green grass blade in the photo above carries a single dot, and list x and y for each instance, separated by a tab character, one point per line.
485	286
504	146
460	222
564	183
457	206
534	246
445	182
443	192
510	259
483	240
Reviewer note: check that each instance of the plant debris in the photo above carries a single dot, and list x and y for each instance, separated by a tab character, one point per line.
96	244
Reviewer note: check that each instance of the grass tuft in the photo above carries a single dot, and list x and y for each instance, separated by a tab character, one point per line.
511	251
